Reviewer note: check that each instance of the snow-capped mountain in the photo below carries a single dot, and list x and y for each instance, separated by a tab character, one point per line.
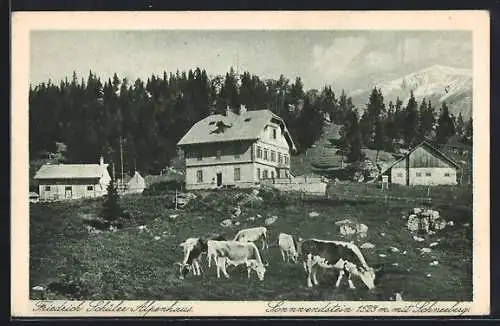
436	83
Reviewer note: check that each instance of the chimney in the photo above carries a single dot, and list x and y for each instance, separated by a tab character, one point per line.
101	160
243	109
228	111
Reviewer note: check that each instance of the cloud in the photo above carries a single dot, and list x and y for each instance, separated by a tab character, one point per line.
333	60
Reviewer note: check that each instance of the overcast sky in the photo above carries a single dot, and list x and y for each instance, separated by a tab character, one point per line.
344	59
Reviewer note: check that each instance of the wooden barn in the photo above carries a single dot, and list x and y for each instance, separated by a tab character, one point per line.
423	165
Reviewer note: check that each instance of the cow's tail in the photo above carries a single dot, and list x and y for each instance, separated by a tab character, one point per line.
264	235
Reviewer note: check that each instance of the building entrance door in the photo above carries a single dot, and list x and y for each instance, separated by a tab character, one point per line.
219	179
68	192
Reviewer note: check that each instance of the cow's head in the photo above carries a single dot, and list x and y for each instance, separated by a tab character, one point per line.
259	268
184	269
366	274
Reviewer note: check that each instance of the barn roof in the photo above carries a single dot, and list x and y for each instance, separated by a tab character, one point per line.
135	179
70	171
431	148
223	128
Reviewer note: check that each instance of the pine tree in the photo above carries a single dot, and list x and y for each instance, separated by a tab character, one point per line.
445	127
411	121
353	137
426	120
468	132
460	126
111	210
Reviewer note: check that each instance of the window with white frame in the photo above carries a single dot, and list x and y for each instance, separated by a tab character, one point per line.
273	156
259	152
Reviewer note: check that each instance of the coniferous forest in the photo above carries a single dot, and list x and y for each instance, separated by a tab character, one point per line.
90	115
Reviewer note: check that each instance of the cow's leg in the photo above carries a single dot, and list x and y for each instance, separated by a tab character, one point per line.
309	270
198	267
341	274
223	267
351	284
305	266
249	270
314	272
283	254
263	244
218	265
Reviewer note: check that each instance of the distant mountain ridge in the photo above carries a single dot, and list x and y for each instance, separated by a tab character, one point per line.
436	83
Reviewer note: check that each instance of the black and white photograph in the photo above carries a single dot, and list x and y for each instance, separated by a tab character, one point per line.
267	164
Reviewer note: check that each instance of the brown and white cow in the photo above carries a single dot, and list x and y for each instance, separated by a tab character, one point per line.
253	235
236	253
193	248
288	247
344	256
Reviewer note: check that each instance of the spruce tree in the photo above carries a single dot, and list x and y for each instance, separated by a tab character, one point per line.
111	210
411	121
445	127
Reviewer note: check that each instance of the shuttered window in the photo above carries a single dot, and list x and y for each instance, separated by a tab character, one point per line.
237	174
199	176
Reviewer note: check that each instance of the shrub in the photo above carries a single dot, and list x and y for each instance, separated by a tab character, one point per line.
164	187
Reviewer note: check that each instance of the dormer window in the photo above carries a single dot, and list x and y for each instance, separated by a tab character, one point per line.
274	133
211	123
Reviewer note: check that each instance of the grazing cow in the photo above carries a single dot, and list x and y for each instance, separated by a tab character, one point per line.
253	235
193	248
288	247
236	253
344	256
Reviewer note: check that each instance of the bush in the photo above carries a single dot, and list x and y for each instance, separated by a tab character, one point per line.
164	187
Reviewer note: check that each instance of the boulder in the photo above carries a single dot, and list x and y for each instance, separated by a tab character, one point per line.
226	223
346	230
367	245
270	220
412	223
393	249
361	230
313	214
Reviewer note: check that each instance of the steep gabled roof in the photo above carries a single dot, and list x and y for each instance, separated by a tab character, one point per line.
70	171
221	128
433	149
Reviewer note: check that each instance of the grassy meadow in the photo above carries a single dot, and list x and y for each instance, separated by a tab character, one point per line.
131	264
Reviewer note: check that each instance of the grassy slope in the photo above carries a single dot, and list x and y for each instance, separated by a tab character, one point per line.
322	155
129	264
